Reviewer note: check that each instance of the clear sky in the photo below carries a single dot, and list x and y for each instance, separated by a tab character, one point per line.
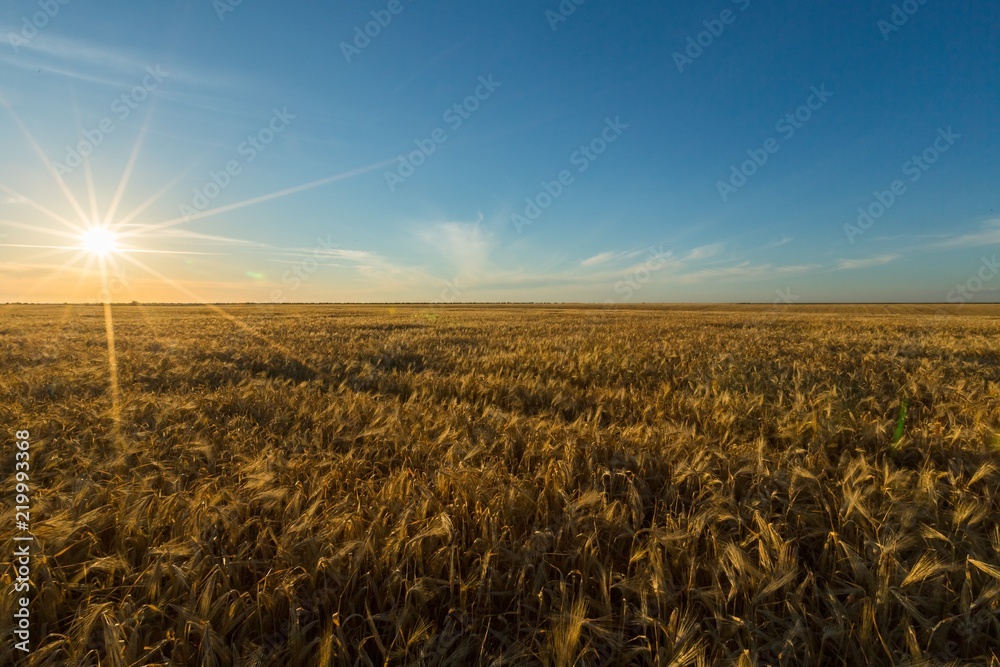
525	150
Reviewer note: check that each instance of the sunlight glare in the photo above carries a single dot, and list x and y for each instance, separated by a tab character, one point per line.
100	241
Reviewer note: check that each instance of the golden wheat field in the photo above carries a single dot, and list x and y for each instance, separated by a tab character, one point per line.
507	485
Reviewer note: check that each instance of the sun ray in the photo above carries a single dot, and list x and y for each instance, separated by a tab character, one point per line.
88	173
76	291
145	251
57	270
274	195
46	247
35	205
109	329
88	262
118	250
26	133
152	200
222	313
43	230
130	166
148	320
60	268
49	252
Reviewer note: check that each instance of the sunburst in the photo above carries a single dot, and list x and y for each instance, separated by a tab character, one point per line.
99	241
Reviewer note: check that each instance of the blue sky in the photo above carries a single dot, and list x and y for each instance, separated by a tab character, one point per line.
514	151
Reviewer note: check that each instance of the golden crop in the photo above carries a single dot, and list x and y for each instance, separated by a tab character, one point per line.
341	485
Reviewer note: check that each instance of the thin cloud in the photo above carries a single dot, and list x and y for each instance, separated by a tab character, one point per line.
611	257
989	235
746	271
602	258
703	252
850	264
466	247
777	243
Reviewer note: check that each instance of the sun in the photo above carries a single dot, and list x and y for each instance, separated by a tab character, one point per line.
99	241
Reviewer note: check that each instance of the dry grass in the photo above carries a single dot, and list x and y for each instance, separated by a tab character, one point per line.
509	486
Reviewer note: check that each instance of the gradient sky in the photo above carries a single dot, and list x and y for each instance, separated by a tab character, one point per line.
646	220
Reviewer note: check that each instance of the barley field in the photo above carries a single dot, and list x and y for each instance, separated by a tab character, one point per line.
506	485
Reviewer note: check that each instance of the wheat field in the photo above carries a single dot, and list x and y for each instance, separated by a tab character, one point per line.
507	485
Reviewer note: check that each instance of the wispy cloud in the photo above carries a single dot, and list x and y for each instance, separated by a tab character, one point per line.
368	265
602	258
746	271
682	267
988	235
466	247
365	262
694	255
849	264
703	252
777	243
